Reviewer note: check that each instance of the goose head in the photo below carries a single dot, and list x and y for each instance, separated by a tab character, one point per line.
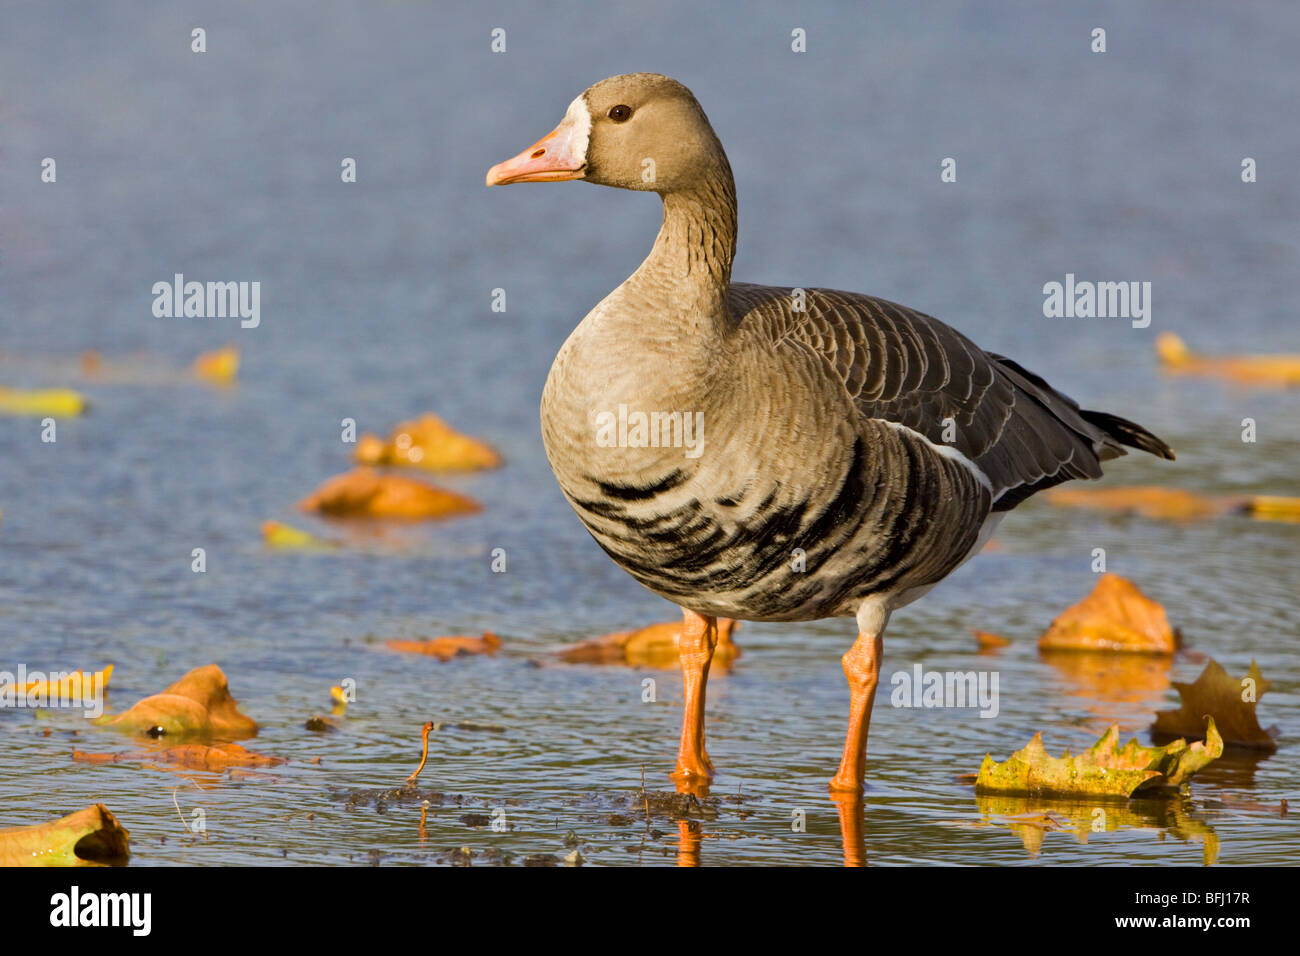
638	131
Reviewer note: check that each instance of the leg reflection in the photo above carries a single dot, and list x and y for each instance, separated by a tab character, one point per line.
852	827
690	832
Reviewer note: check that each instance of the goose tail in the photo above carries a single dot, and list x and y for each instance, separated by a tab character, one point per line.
1128	433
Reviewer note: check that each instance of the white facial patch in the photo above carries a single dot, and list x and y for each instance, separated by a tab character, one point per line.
577	118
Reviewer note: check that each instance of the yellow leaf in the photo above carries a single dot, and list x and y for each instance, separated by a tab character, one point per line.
89	837
59	402
277	535
219	367
75	686
1104	770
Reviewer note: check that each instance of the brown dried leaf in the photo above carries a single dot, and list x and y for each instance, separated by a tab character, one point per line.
1229	700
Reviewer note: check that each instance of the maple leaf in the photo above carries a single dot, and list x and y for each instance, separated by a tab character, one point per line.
1104	770
1230	701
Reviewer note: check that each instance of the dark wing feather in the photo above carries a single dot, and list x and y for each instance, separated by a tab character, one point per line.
905	367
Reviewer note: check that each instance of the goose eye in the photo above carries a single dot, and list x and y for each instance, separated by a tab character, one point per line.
620	114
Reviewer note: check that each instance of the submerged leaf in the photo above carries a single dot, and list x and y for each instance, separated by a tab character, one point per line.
199	704
88	837
1116	616
1229	700
652	646
445	648
365	493
190	756
1104	770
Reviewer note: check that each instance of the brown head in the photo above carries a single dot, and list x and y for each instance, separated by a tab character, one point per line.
636	131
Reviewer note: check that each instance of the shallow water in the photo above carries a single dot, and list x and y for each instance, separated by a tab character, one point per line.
376	306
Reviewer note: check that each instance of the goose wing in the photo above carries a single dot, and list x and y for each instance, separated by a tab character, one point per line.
911	370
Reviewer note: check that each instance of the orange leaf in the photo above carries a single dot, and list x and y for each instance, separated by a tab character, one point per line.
1116	616
427	442
1270	370
445	648
653	646
220	366
197	704
1150	501
365	493
989	642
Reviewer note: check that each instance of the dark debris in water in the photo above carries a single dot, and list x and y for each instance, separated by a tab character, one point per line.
380	798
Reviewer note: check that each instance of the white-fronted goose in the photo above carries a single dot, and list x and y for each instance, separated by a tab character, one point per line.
803	453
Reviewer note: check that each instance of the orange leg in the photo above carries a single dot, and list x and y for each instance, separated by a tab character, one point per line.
862	668
699	637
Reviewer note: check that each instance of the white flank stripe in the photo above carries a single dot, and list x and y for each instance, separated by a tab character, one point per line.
947	451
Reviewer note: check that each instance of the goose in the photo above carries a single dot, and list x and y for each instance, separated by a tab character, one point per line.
810	453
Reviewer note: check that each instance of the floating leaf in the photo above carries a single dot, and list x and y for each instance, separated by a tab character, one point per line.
277	535
365	493
1229	700
1279	371
75	686
59	402
1149	501
220	367
1116	616
652	646
427	442
1104	770
199	704
445	648
990	642
86	838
